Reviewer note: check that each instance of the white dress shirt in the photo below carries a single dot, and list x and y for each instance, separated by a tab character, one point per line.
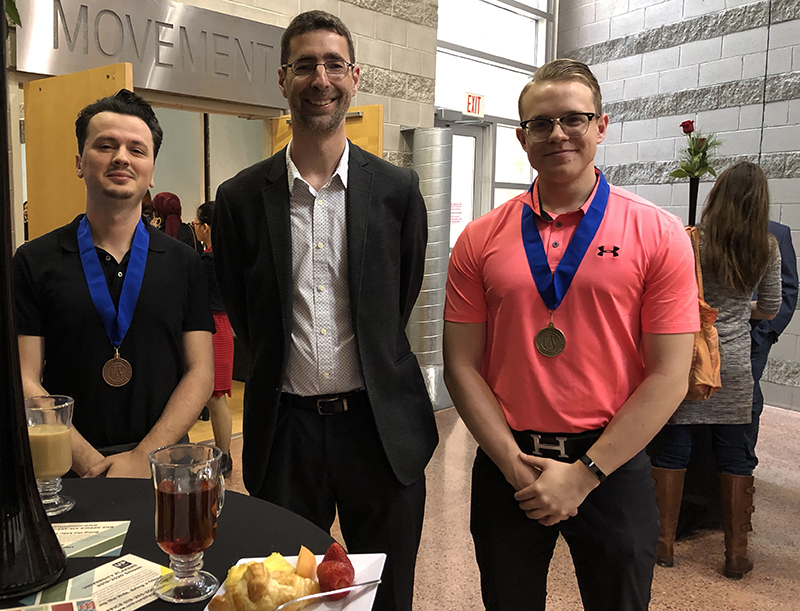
323	358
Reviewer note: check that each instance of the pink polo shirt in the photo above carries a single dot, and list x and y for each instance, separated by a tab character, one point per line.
637	276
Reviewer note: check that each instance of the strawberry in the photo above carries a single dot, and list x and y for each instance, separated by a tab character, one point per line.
333	574
335	571
336	552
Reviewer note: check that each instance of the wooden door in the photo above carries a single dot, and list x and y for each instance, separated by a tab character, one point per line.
363	125
55	193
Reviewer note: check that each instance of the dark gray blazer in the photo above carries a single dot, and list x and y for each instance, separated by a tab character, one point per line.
386	240
769	330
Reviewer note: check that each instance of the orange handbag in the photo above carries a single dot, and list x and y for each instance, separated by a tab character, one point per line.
704	377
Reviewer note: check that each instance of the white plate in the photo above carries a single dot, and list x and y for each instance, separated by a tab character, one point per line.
367	568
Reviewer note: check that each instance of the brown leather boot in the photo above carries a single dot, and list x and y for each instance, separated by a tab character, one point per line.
737	507
669	489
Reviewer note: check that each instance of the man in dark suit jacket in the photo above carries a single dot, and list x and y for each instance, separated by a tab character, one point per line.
319	254
765	332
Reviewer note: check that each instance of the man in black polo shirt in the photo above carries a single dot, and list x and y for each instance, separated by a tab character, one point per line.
112	312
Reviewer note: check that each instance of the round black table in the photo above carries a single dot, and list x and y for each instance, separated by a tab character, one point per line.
246	528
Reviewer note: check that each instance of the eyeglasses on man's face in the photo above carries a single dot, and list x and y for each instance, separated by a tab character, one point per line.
573	125
307	67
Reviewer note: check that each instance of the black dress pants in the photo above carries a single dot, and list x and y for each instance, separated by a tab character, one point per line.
612	541
320	463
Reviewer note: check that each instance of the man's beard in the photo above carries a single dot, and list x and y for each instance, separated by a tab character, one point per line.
118	194
321	125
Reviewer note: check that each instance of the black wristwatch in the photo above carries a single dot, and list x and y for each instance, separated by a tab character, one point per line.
597	471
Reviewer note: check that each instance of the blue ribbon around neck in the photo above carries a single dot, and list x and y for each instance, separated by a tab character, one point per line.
116	321
554	285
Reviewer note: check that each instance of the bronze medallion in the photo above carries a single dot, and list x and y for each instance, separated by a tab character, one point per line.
550	341
117	371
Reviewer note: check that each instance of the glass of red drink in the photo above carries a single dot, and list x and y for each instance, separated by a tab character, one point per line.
190	492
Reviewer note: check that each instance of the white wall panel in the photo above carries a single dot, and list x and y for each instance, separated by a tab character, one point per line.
234	144
722	71
180	163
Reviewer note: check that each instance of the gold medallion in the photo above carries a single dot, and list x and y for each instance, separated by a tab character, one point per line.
550	341
117	371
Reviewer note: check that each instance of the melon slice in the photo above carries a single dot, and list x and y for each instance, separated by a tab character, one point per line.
306	563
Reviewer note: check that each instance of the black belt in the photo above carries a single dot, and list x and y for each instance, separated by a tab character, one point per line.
566	447
326	405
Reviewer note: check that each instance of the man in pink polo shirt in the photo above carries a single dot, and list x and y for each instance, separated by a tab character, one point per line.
568	337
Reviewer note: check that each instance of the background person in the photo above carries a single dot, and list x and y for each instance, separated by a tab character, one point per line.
591	289
737	255
112	312
319	253
765	333
223	343
147	209
167	208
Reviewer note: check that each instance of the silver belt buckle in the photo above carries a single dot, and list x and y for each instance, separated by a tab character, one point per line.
538	445
331	400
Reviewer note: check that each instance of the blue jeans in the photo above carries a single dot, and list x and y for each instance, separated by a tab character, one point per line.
729	442
758	359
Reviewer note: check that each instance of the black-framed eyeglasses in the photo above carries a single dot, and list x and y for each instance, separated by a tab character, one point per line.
573	125
307	67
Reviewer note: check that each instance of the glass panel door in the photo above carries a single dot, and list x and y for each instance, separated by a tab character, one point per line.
462	183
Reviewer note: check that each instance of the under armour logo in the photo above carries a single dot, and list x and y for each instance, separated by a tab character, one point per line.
602	250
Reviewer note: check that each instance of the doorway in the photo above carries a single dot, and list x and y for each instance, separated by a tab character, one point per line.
489	167
205	143
470	178
201	151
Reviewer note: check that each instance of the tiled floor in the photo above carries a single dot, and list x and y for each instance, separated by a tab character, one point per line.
447	576
202	431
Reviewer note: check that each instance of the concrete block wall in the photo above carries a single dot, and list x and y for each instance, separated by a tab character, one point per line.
732	66
395	45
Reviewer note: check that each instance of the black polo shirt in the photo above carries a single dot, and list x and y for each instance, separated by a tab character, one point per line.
52	301
214	295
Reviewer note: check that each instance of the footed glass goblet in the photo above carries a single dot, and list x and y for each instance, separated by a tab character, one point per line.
190	492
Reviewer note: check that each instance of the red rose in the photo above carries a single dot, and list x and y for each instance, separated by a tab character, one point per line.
687	127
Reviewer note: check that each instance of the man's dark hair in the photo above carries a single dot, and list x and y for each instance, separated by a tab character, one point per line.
205	213
311	21
123	102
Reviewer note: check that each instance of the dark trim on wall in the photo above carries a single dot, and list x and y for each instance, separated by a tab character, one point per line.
779	87
712	25
775	165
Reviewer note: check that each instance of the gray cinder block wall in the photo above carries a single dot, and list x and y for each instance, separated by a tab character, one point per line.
732	66
395	44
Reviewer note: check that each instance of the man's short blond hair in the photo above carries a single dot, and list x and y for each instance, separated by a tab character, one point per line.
564	70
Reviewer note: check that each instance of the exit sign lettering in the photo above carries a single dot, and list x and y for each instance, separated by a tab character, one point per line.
473	105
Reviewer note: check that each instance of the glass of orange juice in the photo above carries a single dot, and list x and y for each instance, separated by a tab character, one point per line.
49	422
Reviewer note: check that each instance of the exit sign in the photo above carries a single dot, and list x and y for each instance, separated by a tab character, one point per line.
473	104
